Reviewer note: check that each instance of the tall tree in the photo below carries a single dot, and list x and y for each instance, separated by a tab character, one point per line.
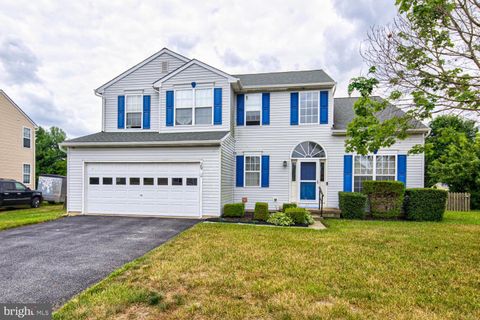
427	61
49	157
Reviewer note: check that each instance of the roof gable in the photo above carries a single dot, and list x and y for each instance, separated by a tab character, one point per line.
18	108
100	89
159	82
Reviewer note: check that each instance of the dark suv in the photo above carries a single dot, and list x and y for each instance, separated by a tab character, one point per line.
14	193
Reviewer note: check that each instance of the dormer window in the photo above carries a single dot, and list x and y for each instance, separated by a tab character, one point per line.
133	111
253	109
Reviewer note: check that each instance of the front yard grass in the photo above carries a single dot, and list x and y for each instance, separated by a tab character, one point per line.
19	217
353	270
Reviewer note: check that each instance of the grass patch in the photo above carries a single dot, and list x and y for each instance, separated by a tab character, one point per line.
20	217
353	270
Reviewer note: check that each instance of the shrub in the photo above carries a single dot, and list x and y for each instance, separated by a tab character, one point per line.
234	210
261	211
475	200
280	219
385	198
300	216
352	205
288	205
424	204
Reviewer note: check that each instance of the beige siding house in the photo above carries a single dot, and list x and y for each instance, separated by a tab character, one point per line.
17	143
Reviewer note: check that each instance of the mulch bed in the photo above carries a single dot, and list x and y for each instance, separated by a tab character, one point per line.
248	219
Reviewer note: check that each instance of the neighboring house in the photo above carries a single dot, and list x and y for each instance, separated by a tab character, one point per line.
17	143
182	138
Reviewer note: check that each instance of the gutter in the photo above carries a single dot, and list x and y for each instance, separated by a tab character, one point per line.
343	132
141	144
288	85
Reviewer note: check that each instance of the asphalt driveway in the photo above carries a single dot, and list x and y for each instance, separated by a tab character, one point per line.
50	262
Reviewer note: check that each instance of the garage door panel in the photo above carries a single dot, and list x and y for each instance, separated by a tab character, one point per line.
163	200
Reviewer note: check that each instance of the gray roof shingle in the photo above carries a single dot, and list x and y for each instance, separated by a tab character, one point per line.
287	77
343	113
126	137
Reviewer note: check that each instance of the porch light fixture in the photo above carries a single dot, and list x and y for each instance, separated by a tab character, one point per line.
285	164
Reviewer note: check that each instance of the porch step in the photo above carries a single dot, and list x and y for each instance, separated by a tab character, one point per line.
326	213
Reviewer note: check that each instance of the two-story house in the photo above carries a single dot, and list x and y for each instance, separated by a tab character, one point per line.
182	138
17	143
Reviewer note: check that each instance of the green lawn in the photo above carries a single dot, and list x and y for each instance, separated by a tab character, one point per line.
353	270
19	217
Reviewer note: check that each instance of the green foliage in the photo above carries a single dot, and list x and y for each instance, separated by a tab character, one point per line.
49	158
385	198
300	216
280	219
261	211
288	205
475	200
424	204
352	205
234	210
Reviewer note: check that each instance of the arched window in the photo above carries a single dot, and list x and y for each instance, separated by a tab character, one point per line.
308	149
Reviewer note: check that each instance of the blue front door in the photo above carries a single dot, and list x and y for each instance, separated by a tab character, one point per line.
308	181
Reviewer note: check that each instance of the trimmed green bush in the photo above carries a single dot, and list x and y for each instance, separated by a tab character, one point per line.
280	219
352	205
261	211
385	198
288	205
425	204
300	216
475	200
234	210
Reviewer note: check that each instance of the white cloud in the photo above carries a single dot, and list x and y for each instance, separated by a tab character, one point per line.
62	50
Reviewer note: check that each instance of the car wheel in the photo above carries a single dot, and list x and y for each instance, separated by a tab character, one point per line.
35	202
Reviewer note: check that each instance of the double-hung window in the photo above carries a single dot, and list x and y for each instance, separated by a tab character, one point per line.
133	111
193	106
26	173
373	167
252	171
309	107
253	108
27	137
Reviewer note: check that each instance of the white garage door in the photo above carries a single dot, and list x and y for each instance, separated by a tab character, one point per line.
164	189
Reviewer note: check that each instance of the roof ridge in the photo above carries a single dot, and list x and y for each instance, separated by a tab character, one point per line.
289	71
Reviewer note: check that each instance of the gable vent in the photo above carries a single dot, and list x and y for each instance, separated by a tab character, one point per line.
164	66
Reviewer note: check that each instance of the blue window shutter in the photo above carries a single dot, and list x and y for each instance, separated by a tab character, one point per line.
294	108
266	108
323	107
240	109
347	173
402	168
169	111
265	171
121	112
239	175
217	106
146	112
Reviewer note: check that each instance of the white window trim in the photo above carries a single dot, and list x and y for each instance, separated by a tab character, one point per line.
23	145
374	168
245	110
300	109
245	169
193	107
23	173
125	112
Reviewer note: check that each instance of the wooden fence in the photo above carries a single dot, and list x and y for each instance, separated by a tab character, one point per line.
458	201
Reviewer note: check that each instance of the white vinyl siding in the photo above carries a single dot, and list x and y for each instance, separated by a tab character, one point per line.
227	161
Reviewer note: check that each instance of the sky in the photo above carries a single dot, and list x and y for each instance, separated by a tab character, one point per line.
53	54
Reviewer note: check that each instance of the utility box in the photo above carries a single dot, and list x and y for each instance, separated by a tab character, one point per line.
53	187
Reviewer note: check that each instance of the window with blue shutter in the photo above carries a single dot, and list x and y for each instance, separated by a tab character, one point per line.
347	172
239	171
240	109
121	112
217	106
323	107
402	168
146	112
169	109
265	108
265	171
294	108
